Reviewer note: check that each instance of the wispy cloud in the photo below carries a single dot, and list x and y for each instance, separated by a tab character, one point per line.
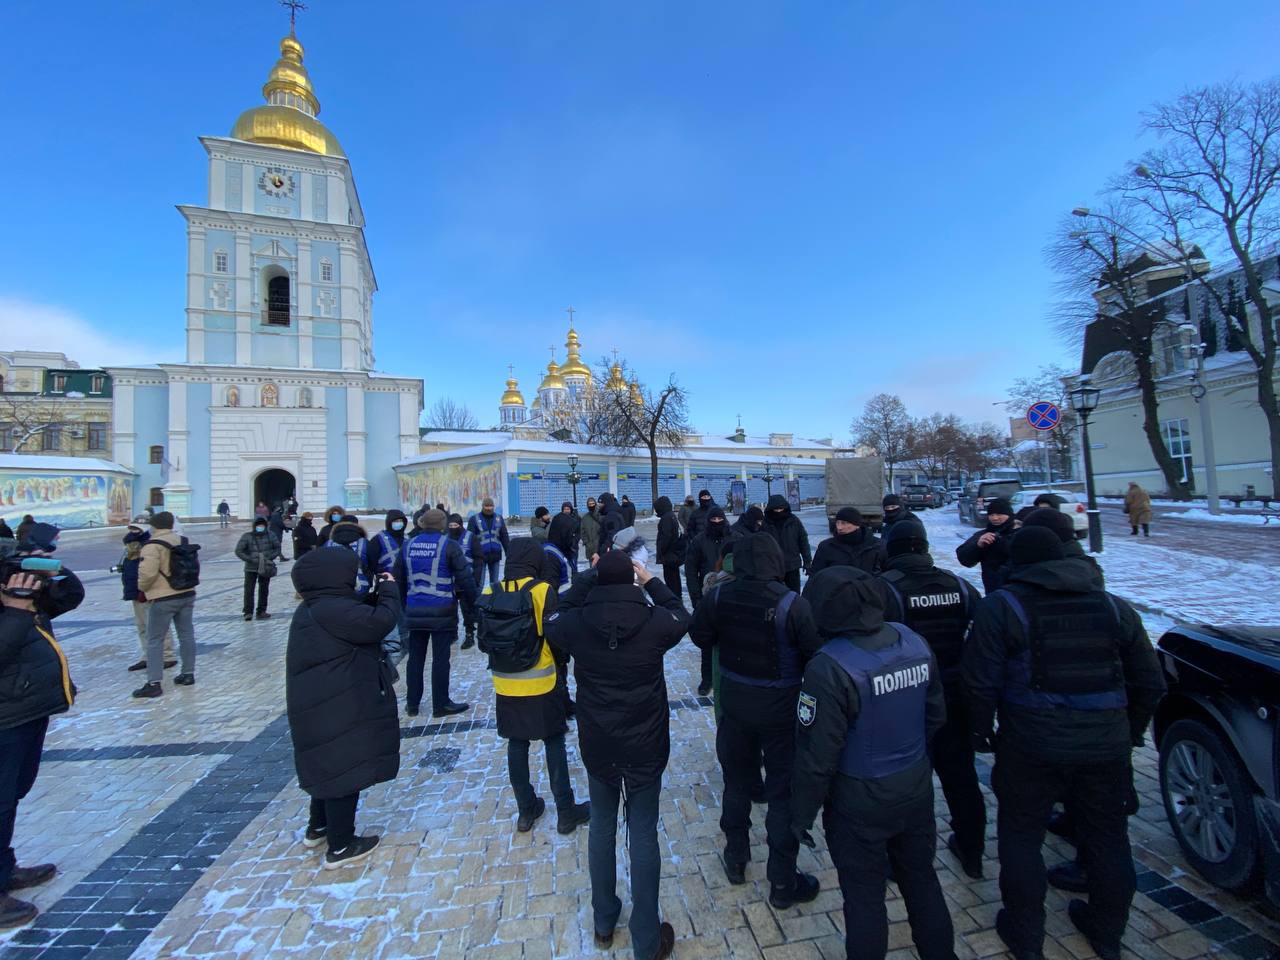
27	325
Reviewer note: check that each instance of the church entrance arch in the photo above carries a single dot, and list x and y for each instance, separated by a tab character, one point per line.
273	487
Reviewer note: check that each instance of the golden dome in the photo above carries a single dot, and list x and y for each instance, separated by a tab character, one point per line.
289	117
615	381
553	380
513	397
573	366
637	398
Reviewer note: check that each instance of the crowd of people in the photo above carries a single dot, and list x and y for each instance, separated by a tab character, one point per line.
837	697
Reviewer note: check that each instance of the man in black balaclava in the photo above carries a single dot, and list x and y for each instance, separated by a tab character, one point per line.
786	528
751	521
854	545
698	519
704	552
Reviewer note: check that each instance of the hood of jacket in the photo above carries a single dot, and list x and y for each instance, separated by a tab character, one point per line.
306	522
757	556
777	502
326	573
910	562
752	519
334	508
845	602
1070	575
139	536
662	506
524	559
346	532
616	612
396	515
721	528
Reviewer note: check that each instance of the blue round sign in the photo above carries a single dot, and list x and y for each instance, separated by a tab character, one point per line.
1044	415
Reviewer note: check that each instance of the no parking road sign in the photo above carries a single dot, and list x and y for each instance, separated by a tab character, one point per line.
1044	415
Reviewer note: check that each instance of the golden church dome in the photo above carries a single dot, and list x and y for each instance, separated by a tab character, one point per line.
553	380
637	398
573	366
289	117
615	381
513	397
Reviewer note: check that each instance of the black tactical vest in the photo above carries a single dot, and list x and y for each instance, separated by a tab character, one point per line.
935	604
751	624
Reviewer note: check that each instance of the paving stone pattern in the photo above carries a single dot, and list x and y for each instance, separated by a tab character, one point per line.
176	825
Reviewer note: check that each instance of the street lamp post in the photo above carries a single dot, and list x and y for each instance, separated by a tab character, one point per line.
575	478
1200	393
1084	400
768	477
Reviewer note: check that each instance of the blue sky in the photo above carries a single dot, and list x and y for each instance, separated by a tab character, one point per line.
791	206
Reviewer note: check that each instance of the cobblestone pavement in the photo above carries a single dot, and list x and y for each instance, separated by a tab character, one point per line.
176	825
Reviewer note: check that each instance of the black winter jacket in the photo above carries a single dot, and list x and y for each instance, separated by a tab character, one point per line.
859	549
35	681
668	545
129	565
789	532
993	557
757	569
564	533
1061	734
698	518
338	687
305	538
703	554
628	511
618	639
259	551
610	522
375	549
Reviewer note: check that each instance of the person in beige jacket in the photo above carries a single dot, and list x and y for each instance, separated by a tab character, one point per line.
166	604
1137	504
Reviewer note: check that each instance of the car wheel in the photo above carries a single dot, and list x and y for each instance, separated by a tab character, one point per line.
1209	802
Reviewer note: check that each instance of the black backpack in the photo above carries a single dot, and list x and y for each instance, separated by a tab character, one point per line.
184	564
506	630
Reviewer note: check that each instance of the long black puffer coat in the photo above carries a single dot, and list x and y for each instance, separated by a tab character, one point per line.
618	639
35	680
338	687
788	531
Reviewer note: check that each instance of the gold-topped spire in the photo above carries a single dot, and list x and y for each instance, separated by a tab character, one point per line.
289	117
616	381
573	365
637	398
513	397
553	380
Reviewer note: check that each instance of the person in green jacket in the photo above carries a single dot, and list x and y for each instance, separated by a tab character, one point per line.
591	529
538	525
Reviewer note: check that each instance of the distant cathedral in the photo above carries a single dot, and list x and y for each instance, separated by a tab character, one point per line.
563	395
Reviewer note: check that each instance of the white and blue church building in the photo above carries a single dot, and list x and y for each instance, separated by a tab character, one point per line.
278	394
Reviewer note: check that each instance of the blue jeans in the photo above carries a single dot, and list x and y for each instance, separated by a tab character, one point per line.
642	841
491	561
557	770
439	642
20	749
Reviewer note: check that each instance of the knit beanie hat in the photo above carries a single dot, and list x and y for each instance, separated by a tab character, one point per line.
1035	545
849	515
432	521
906	537
1000	505
614	569
891	500
1054	520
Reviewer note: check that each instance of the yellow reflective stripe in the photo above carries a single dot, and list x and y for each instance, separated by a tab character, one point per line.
62	660
533	674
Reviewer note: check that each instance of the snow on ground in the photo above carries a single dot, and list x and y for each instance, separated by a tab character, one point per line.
1196	513
1166	584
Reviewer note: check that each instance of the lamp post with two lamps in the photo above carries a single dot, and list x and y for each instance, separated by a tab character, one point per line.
768	478
574	478
1084	400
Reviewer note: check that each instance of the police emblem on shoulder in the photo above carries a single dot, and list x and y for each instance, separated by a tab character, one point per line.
806	709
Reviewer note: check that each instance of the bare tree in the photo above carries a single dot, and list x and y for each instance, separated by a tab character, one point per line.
447	414
1048	383
639	417
27	415
885	426
935	444
1214	177
1101	261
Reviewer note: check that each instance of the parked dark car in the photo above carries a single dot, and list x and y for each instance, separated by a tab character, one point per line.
973	498
941	496
1216	729
919	496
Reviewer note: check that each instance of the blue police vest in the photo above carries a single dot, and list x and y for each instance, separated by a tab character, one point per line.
888	734
1072	658
787	666
390	552
566	571
361	549
490	543
427	572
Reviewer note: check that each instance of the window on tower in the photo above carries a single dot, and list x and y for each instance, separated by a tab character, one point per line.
219	261
278	301
326	271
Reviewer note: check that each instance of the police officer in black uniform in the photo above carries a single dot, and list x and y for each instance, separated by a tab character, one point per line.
1074	679
871	701
939	606
765	633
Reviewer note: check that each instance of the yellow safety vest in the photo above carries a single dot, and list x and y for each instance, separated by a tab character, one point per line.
541	677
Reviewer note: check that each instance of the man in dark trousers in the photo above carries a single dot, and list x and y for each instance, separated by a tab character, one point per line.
618	638
490	529
790	534
1074	679
854	545
564	533
870	703
700	560
437	575
37	681
765	635
671	545
628	511
939	606
469	544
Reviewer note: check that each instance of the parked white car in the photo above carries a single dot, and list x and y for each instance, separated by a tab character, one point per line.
1073	504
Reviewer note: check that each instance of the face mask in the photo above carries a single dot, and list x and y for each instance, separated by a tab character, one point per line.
397	524
260	529
335	517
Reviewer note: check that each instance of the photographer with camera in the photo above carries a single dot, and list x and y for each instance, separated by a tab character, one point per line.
34	589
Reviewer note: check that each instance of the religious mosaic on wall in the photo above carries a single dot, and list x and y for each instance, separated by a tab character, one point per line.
461	487
67	500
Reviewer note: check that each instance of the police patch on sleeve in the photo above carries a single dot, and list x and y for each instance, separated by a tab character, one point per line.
807	709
